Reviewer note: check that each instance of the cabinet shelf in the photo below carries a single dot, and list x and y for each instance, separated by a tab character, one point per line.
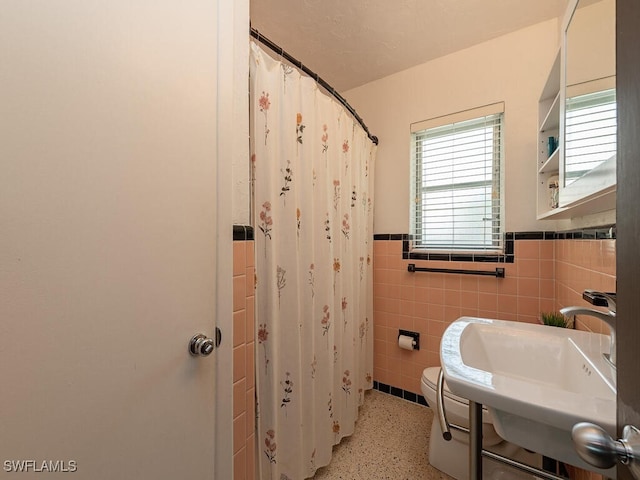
597	203
549	125
552	120
552	213
551	164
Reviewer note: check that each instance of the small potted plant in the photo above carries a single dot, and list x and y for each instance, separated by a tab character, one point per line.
556	319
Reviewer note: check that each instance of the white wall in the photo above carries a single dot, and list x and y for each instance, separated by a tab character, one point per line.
512	68
233	151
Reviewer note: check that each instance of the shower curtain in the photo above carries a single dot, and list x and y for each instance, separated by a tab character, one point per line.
312	174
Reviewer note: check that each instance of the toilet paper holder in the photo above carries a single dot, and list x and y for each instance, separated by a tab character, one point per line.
414	335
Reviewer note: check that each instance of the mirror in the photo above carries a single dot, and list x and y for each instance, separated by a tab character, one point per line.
589	106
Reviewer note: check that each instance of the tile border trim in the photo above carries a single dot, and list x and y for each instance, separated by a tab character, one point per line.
606	232
400	393
242	233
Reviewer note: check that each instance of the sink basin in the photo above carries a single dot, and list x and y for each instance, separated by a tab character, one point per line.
537	381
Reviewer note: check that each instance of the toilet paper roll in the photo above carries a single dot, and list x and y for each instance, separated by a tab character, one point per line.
405	342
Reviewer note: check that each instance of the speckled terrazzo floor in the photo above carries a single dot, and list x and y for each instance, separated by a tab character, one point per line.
390	442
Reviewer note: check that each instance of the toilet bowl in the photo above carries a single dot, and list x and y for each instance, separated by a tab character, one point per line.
452	457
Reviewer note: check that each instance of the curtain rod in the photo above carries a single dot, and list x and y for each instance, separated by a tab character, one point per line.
298	64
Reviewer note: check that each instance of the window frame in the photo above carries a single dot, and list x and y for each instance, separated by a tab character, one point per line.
473	117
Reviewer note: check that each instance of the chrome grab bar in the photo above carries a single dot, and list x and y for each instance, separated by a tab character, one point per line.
442	416
445	426
498	273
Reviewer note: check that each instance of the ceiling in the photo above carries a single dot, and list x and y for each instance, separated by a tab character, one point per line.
353	42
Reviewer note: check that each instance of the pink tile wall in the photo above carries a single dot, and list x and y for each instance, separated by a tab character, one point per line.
428	302
243	361
582	264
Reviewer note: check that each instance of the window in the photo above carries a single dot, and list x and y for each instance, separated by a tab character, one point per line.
457	169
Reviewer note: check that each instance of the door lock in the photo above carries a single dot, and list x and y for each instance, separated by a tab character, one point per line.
202	346
597	448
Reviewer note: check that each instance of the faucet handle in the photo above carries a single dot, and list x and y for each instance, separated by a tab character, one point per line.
600	299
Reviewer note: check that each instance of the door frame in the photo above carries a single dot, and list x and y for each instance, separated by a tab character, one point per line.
628	220
233	27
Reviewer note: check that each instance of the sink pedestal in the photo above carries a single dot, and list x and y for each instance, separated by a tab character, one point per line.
475	440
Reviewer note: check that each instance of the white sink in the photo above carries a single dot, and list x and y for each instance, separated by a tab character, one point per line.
537	381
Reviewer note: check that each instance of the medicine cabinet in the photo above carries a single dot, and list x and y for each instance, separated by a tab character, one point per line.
577	117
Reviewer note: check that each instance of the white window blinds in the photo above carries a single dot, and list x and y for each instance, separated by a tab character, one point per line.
590	136
458	182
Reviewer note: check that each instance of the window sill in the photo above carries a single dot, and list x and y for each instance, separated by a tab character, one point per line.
505	256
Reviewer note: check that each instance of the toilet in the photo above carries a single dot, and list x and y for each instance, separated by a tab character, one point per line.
452	457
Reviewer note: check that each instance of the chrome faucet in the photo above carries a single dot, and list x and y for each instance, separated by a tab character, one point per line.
609	318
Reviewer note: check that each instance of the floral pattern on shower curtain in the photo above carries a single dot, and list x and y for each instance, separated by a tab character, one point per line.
312	169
